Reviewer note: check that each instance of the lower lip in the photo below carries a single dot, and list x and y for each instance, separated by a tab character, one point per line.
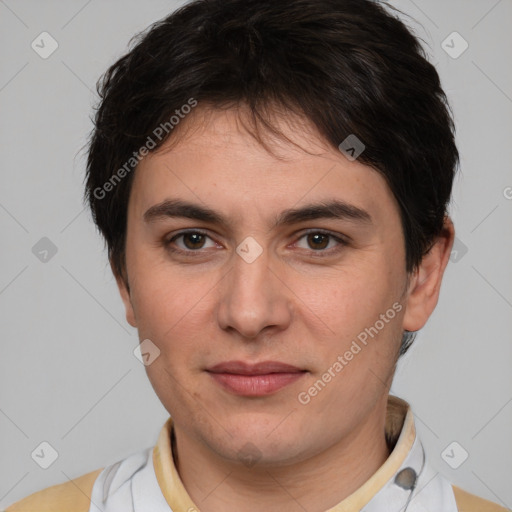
255	385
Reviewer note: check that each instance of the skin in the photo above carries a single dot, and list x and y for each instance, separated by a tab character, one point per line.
290	305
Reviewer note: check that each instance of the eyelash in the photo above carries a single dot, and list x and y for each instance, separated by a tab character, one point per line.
321	253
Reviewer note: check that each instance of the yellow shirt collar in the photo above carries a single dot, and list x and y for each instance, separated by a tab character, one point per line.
400	431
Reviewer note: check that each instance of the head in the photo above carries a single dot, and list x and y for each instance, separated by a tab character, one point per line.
265	178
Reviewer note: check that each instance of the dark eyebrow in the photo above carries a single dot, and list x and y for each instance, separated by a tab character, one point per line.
178	208
334	209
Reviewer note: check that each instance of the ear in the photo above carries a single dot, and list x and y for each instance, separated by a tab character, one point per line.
122	285
425	283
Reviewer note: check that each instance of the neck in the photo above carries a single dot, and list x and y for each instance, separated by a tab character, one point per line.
315	484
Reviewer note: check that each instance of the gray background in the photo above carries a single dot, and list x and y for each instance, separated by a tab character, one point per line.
68	375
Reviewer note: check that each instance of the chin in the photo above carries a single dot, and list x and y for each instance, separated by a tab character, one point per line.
258	439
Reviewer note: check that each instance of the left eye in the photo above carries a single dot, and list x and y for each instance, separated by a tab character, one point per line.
192	240
319	241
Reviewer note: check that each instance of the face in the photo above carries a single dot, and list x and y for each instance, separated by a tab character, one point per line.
274	286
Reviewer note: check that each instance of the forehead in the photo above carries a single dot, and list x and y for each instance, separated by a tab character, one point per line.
215	158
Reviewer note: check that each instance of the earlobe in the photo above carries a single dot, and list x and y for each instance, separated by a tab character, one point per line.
425	283
125	296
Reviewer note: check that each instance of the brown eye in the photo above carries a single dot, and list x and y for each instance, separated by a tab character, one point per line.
193	240
318	240
321	243
189	242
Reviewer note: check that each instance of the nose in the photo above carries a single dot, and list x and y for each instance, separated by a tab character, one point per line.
254	297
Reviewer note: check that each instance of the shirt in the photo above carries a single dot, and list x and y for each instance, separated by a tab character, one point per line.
149	481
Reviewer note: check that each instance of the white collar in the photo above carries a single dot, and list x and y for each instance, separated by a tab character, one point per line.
149	480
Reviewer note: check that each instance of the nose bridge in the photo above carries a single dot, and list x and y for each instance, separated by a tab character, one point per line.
250	263
250	273
252	299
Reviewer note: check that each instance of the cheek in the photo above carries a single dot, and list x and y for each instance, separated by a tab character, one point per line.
158	293
172	309
363	314
350	301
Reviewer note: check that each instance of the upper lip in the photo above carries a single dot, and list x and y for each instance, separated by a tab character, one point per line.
263	368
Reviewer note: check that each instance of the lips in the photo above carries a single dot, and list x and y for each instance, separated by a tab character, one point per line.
254	380
264	368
